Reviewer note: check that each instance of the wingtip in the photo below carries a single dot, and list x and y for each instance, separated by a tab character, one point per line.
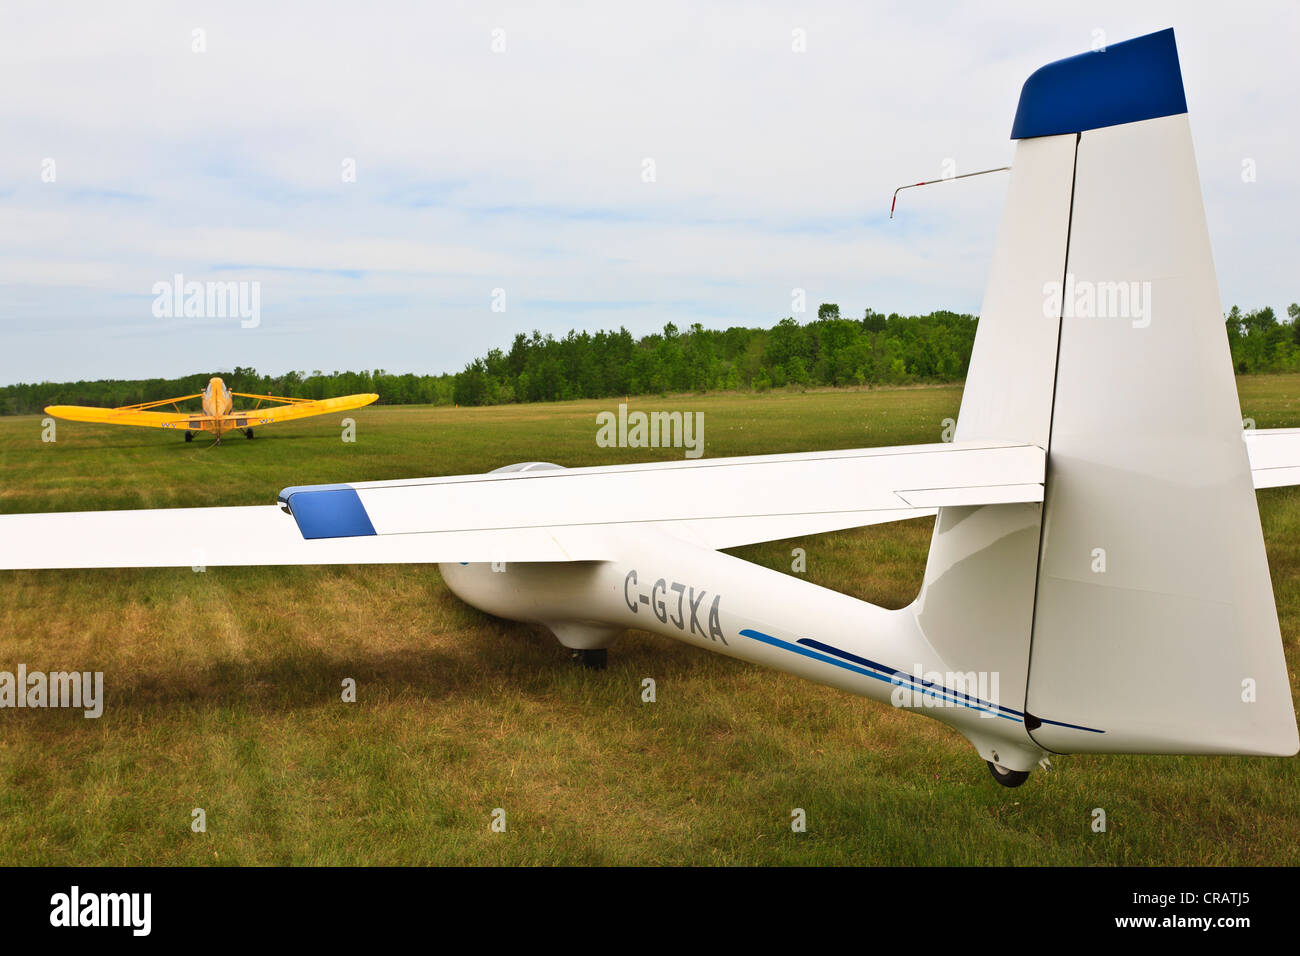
360	399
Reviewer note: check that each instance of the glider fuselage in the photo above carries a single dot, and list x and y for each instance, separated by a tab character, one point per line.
733	607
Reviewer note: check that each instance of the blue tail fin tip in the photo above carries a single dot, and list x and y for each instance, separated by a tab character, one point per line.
1125	82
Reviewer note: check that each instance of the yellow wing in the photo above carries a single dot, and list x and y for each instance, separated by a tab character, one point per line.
241	418
294	408
131	414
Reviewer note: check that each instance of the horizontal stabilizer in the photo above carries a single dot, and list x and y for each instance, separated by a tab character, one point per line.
842	488
1274	456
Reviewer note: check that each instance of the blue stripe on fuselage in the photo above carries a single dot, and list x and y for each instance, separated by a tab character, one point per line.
819	651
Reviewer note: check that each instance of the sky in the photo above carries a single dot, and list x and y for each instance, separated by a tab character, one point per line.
410	185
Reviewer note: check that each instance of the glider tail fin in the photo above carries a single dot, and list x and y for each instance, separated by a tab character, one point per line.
1136	610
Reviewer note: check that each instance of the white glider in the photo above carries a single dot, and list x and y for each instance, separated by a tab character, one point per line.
1097	580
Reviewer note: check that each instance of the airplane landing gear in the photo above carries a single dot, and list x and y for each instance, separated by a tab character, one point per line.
189	436
248	433
1008	778
593	659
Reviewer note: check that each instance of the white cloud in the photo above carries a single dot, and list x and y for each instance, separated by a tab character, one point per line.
522	169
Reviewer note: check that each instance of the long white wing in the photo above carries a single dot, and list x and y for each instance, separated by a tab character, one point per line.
260	535
559	515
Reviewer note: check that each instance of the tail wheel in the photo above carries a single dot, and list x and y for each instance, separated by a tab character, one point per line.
1008	778
248	433
189	436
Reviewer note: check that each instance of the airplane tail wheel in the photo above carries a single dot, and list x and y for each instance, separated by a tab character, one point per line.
189	436
594	659
248	433
1008	778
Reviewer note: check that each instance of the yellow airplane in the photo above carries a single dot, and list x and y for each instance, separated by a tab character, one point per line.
218	415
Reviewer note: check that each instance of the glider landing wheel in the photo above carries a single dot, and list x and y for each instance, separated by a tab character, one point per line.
593	659
1008	778
248	433
189	436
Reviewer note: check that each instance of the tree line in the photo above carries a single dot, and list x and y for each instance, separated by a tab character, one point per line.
1262	343
829	351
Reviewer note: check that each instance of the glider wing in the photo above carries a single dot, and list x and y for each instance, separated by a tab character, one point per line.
560	515
258	535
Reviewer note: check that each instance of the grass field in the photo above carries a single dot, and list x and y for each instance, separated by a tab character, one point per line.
223	687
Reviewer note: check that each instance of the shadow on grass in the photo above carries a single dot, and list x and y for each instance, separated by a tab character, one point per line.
516	660
178	443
